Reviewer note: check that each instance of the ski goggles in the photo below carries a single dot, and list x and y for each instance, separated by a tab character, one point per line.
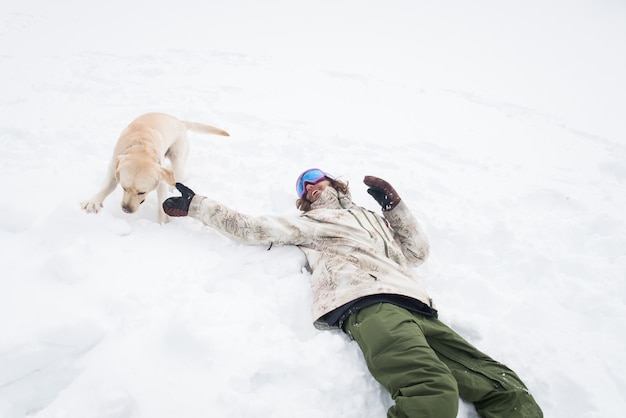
311	176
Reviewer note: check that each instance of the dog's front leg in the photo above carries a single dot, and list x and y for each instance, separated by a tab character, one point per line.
95	203
161	194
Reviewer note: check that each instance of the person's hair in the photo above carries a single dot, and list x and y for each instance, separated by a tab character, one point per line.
305	206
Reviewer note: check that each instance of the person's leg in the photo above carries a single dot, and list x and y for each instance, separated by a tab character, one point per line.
399	357
494	389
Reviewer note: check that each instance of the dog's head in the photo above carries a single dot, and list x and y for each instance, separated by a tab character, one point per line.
138	178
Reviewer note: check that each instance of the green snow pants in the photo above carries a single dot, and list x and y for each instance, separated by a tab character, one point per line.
426	366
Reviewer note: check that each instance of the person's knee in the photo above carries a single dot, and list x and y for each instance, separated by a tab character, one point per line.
438	398
514	403
523	405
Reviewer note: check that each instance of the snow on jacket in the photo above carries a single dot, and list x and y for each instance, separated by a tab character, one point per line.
352	252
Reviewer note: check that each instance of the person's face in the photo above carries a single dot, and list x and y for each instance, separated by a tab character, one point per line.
314	191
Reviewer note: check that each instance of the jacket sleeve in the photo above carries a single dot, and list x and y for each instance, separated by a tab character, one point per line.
407	232
259	230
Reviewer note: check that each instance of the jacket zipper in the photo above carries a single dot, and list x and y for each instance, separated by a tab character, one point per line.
383	237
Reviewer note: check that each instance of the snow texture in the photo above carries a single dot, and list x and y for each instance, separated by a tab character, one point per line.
500	123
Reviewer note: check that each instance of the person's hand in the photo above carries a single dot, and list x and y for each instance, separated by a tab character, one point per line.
382	192
179	206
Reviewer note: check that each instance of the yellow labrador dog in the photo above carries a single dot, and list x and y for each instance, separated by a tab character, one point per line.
138	160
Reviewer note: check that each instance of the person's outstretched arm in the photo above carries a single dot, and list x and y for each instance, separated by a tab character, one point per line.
259	230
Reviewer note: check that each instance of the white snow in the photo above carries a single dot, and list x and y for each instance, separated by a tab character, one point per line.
500	123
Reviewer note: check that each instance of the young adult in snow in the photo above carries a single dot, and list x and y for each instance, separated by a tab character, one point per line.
362	284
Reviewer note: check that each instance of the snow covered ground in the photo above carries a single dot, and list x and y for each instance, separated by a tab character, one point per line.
500	123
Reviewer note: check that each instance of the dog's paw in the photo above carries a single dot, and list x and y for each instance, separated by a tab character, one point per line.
90	206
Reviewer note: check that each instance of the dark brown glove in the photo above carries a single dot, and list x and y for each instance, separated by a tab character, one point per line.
179	206
382	192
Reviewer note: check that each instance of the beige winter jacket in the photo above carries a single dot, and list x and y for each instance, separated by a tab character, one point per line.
352	252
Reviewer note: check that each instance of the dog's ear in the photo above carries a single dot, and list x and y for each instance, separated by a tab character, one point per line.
167	176
118	161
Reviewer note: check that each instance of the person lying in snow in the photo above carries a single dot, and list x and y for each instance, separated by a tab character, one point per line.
362	284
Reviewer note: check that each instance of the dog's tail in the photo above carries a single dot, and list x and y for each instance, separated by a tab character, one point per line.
204	129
